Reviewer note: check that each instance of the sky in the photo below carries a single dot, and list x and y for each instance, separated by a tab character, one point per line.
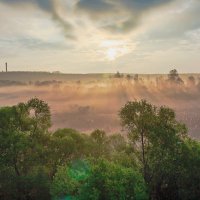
100	36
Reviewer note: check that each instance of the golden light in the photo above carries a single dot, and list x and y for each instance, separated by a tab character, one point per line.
111	54
112	49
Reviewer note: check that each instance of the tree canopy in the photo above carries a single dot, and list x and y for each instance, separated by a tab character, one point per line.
152	158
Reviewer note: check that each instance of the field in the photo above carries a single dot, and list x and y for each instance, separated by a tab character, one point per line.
89	101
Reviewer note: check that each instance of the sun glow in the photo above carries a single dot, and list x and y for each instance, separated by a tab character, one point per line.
111	54
113	49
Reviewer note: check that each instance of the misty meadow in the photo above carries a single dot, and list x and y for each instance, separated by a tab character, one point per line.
87	102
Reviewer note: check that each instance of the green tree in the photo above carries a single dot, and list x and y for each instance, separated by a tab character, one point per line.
167	138
65	145
23	138
189	173
111	181
138	119
156	137
39	113
68	179
100	143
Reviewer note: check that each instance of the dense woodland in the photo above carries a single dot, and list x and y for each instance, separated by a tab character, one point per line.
152	158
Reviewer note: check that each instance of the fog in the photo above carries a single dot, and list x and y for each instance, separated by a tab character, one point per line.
95	103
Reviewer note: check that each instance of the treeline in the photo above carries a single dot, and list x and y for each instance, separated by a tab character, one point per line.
4	83
173	77
153	158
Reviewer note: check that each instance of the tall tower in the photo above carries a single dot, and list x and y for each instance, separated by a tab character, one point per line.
6	67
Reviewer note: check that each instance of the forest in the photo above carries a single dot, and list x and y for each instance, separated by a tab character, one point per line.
151	158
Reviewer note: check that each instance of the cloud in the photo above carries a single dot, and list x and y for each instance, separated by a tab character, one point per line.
49	6
176	22
108	5
142	4
154	25
46	5
95	6
118	16
112	15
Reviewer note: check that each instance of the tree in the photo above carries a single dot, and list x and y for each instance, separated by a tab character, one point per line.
166	140
40	115
69	178
137	118
23	139
111	181
174	77
118	75
189	175
156	137
157	160
100	143
117	143
65	145
129	77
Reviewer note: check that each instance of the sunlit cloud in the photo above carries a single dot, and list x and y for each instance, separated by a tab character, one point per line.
114	49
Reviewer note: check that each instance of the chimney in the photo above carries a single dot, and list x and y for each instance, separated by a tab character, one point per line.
6	67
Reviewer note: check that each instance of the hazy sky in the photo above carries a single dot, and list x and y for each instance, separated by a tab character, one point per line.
88	36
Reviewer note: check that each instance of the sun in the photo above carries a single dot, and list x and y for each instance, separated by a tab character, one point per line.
111	54
113	49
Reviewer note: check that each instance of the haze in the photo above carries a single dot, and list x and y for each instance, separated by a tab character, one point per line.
88	102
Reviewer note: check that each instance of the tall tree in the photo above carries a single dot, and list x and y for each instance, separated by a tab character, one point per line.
156	137
23	139
138	118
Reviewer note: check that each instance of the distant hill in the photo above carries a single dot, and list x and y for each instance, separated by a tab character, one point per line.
46	76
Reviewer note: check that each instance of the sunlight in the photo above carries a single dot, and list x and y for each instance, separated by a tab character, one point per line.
112	49
111	54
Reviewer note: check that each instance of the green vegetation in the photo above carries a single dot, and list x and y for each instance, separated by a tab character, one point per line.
153	159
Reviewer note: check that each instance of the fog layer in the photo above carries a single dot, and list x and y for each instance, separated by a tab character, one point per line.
95	103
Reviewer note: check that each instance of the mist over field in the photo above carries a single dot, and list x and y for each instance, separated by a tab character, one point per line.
88	102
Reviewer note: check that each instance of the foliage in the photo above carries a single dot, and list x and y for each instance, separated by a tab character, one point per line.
112	181
155	159
159	142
